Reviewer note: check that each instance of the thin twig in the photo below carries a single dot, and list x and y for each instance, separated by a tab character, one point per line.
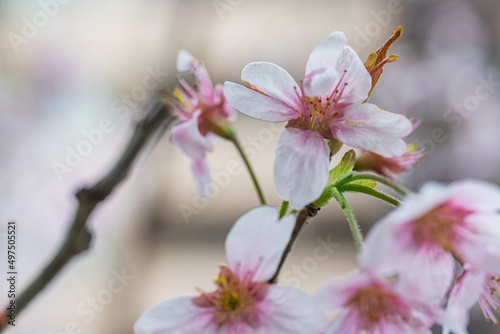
78	237
302	219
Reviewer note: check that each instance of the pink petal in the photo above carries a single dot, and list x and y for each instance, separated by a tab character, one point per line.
476	195
346	322
301	166
327	53
176	316
321	82
463	296
256	242
426	274
481	244
186	135
230	113
202	176
338	291
273	81
187	63
258	105
289	310
368	127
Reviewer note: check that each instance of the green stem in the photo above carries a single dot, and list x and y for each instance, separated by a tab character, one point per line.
356	188
353	224
247	163
369	176
284	207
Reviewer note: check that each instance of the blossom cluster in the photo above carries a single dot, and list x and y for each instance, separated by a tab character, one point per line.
427	262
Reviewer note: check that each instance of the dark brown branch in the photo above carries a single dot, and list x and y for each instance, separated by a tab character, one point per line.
78	237
302	219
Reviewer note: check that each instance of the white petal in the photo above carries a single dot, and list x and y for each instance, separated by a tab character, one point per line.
289	310
368	127
272	80
186	135
301	166
258	105
476	195
256	242
321	82
327	53
185	61
176	316
355	75
463	296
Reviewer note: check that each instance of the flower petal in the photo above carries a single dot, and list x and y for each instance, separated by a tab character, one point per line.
368	127
301	166
256	242
338	291
202	176
289	310
476	195
327	53
186	135
480	244
321	82
356	81
273	81
257	105
187	63
463	296
176	316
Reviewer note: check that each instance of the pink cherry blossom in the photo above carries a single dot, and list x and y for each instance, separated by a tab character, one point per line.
328	104
243	301
373	305
472	286
205	113
389	166
422	239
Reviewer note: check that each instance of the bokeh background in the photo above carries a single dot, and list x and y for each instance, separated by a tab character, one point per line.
68	67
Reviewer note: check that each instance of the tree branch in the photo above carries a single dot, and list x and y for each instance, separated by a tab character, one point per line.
78	237
302	219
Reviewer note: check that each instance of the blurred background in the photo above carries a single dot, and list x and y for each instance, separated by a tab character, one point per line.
75	74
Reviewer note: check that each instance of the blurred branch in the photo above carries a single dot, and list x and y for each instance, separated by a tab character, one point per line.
78	237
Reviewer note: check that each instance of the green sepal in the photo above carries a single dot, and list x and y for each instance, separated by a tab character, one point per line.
345	166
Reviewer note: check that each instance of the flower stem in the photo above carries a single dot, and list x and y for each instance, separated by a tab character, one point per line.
372	192
284	207
247	164
353	224
369	176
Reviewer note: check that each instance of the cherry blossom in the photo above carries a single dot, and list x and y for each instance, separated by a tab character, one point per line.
422	240
373	305
205	113
328	104
369	161
243	302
